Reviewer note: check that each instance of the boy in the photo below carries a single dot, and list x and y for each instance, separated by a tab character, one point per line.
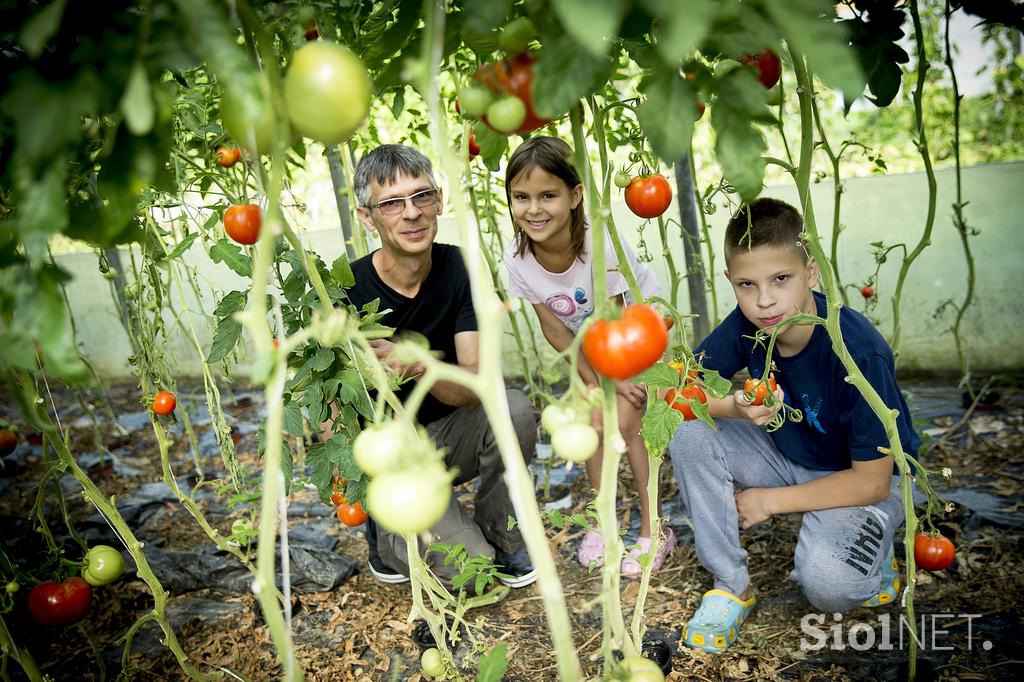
827	466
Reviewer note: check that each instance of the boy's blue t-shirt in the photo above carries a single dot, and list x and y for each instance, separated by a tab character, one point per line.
838	425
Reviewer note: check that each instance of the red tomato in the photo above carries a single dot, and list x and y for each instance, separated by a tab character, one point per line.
619	349
867	291
53	603
310	32
513	76
8	441
164	403
701	107
933	552
228	156
352	514
474	148
242	223
648	197
759	391
768	66
677	399
338	495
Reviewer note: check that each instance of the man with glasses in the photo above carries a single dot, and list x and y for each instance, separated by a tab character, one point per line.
426	288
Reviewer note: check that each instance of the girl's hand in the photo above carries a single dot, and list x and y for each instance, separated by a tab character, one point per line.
759	414
634	393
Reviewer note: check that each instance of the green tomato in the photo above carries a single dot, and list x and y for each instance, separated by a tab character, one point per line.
255	130
474	100
378	449
410	500
773	97
240	527
641	669
12	587
516	36
554	417
432	663
506	114
327	92
622	179
103	564
575	442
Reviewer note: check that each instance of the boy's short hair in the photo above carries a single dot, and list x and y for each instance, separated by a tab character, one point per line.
771	222
384	164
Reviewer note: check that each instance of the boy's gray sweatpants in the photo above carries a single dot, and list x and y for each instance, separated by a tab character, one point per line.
840	551
467	435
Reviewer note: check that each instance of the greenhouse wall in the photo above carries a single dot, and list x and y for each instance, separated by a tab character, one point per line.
887	208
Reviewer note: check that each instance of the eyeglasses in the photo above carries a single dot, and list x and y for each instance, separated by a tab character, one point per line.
396	205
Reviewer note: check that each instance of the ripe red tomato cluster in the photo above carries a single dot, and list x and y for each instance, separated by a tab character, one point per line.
242	223
164	403
933	552
510	81
622	348
648	196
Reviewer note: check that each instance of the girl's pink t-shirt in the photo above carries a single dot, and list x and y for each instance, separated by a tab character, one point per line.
569	294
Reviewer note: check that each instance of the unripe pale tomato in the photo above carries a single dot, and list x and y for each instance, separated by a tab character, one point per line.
506	114
242	223
575	442
104	565
432	663
410	500
380	448
164	403
327	92
622	179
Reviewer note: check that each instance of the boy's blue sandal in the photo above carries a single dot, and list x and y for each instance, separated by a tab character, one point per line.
717	621
890	585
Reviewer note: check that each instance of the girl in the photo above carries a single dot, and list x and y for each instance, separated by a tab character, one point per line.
549	265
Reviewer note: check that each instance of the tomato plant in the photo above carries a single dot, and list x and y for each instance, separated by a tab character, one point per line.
381	447
8	441
242	223
52	603
678	398
506	115
327	92
228	156
756	392
512	76
164	403
867	291
432	663
103	564
575	442
648	196
352	514
768	67
410	500
623	348
933	552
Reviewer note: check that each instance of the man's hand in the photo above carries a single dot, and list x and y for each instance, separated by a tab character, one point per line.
384	350
759	414
753	506
634	393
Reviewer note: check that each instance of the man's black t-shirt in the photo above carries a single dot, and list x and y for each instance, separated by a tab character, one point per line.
442	308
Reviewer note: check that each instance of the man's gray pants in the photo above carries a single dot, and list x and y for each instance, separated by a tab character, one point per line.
840	551
469	440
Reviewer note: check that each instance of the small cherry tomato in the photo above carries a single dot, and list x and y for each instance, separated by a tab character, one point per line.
228	156
867	291
757	392
352	514
381	447
933	552
678	399
242	223
622	179
164	403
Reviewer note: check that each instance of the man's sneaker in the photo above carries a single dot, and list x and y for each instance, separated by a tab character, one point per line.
516	568
381	571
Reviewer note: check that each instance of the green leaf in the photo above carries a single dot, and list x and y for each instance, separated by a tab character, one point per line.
394	38
594	25
183	246
667	112
563	74
323	359
483	16
492	146
292	419
341	271
492	666
231	255
40	27
680	27
658	376
231	303
659	425
322	469
811	27
739	145
224	339
137	102
717	386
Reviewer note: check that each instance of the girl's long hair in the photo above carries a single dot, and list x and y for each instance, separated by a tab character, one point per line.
554	156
